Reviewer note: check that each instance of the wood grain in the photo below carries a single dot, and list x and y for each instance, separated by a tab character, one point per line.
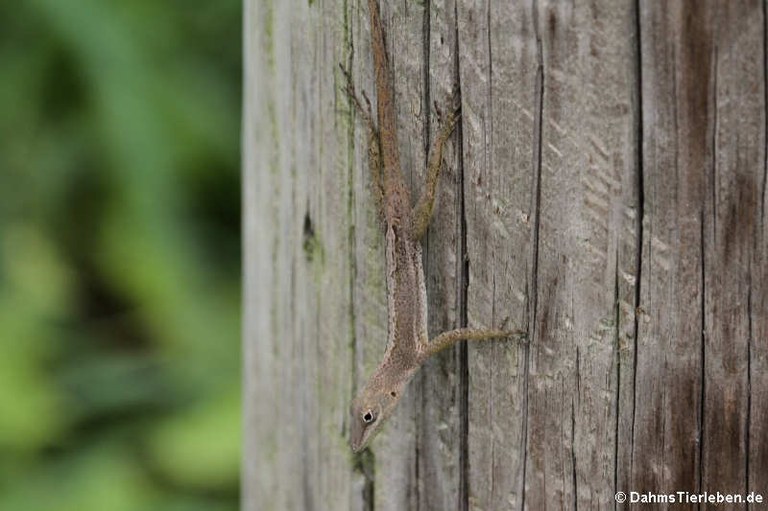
605	190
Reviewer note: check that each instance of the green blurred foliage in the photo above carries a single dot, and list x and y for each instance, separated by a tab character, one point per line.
119	255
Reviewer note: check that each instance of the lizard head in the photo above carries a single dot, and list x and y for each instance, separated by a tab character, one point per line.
374	405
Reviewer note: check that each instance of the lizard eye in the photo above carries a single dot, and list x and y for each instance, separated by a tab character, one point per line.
369	417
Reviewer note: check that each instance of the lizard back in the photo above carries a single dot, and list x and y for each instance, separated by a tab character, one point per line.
397	207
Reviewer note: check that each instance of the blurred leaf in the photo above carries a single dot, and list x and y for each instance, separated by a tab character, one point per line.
38	291
101	385
119	254
104	477
31	411
201	446
35	272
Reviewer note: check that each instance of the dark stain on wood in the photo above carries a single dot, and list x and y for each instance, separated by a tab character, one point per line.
740	215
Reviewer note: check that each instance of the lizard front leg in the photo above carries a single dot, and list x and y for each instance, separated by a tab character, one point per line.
374	142
423	210
448	339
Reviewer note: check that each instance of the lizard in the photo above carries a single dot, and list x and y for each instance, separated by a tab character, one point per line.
408	343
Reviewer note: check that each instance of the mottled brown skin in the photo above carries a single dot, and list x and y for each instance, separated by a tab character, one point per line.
408	343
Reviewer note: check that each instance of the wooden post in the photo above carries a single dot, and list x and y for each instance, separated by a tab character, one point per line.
605	190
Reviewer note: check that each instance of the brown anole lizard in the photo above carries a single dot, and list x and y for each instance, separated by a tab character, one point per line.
408	344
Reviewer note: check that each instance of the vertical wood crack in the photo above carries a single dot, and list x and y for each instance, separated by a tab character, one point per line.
617	345
703	257
765	113
574	478
748	421
463	281
638	220
703	370
489	145
535	208
426	101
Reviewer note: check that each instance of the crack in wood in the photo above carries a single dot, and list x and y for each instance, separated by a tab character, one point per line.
638	220
748	421
535	208
703	370
765	107
463	287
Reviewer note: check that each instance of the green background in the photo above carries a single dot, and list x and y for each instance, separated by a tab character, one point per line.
119	255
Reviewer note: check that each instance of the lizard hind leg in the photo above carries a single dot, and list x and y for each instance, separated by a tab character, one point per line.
364	110
423	210
448	339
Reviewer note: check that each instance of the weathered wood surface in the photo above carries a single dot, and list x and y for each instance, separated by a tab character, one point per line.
605	190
